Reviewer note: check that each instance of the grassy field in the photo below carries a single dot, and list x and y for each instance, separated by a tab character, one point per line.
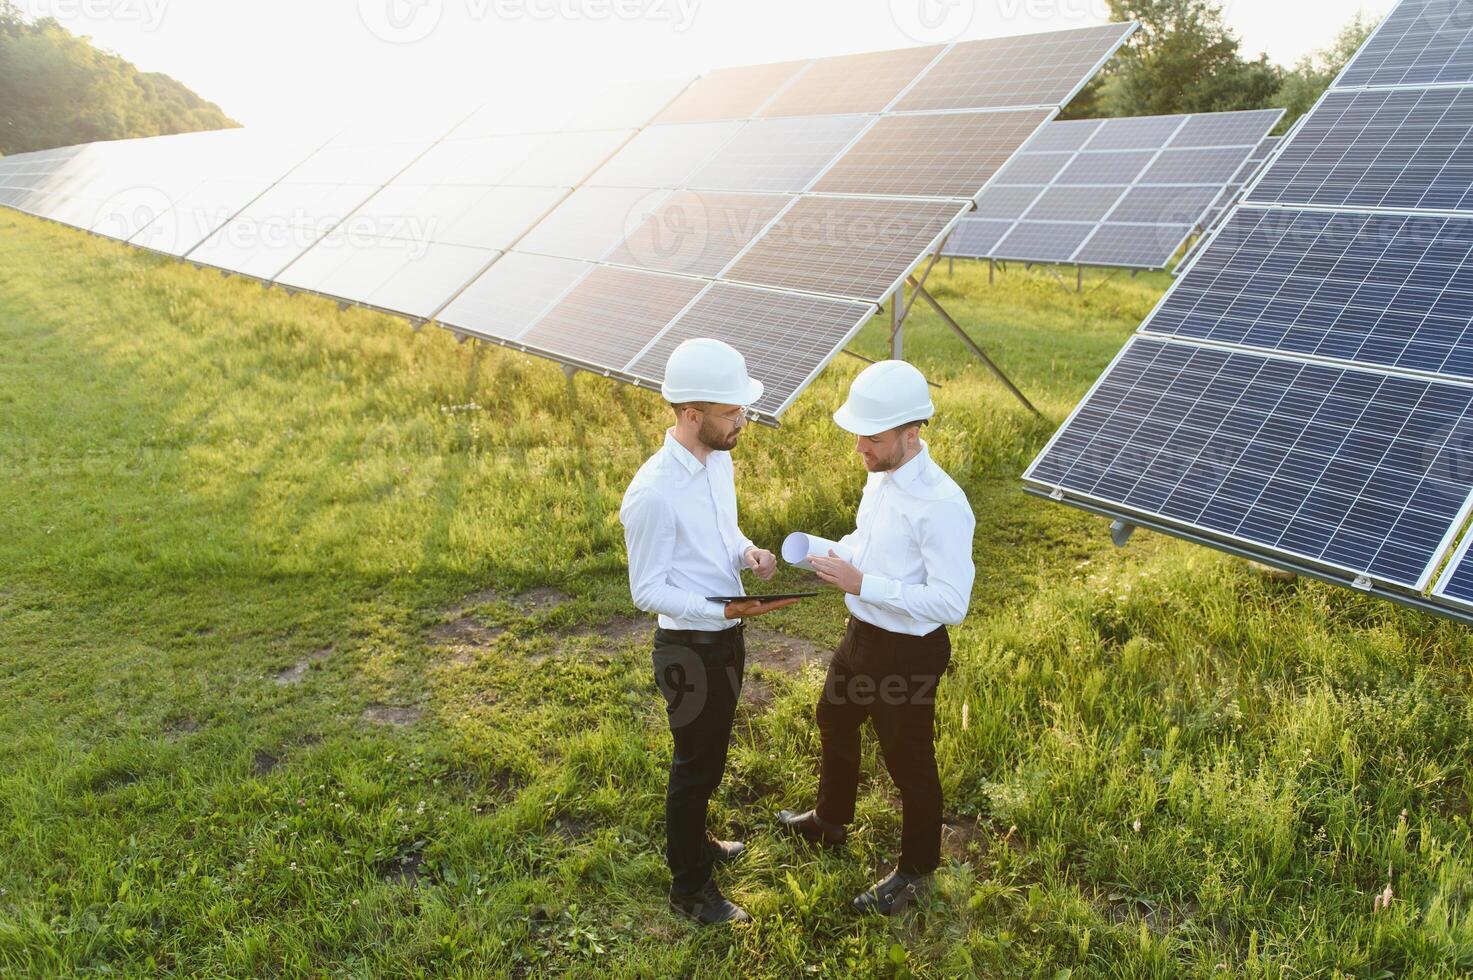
316	656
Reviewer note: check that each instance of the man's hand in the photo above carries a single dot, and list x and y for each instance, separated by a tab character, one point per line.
837	572
762	563
748	608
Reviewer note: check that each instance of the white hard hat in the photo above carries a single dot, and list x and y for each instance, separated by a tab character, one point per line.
885	395
705	370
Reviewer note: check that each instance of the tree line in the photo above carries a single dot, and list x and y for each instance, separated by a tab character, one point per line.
1186	59
57	89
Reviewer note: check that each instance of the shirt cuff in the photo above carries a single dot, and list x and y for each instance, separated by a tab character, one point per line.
716	610
876	588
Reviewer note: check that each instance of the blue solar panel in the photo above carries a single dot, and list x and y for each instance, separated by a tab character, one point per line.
1422	42
1399	149
1391	290
1349	469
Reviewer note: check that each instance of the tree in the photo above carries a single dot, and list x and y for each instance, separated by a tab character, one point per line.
1183	59
57	89
1307	81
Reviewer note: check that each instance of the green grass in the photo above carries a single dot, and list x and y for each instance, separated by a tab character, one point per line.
1172	767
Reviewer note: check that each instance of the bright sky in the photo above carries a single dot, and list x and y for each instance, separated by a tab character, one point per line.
290	61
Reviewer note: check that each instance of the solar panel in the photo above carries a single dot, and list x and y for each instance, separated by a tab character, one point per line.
592	221
513	294
1124	192
698	233
1455	585
1396	149
1421	42
1031	70
1302	394
611	315
1391	290
947	155
665	156
777	154
1234	191
851	83
411	277
787	338
1346	468
846	246
730	93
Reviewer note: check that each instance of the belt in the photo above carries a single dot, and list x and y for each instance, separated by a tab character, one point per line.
697	638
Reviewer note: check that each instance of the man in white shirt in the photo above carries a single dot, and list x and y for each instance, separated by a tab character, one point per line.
684	542
908	572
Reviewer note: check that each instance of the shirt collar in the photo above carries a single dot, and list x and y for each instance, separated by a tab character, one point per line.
682	455
911	471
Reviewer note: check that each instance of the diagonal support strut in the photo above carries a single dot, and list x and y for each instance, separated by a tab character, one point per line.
920	292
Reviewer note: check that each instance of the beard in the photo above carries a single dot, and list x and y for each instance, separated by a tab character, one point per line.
888	463
717	436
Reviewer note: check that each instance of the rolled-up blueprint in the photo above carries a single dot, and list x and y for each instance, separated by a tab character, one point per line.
798	546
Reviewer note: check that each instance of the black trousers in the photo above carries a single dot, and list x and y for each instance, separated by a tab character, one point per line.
890	679
701	683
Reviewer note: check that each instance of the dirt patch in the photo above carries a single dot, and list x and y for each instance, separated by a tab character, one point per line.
963	838
757	694
535	602
571	828
397	715
298	670
777	651
263	762
483	598
623	629
402	870
466	636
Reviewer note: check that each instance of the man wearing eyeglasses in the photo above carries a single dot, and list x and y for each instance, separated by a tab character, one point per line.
684	542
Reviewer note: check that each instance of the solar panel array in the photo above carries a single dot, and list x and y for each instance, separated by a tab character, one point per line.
796	197
1112	192
1233	193
1304	392
772	206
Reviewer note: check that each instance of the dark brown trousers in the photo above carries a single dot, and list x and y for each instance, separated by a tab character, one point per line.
890	679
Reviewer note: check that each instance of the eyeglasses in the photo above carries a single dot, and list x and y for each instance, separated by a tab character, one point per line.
742	414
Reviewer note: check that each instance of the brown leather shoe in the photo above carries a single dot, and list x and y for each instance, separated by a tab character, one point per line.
725	851
809	826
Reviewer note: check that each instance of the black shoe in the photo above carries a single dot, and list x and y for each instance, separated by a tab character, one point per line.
891	895
809	826
708	906
725	851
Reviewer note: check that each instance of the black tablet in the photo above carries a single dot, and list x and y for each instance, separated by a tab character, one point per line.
764	598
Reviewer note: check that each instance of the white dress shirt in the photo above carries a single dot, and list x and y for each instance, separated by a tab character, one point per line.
680	528
914	546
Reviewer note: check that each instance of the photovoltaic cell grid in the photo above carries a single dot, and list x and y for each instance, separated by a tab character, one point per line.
1342	467
790	184
1421	42
1237	186
1114	192
1303	391
1391	290
1410	148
